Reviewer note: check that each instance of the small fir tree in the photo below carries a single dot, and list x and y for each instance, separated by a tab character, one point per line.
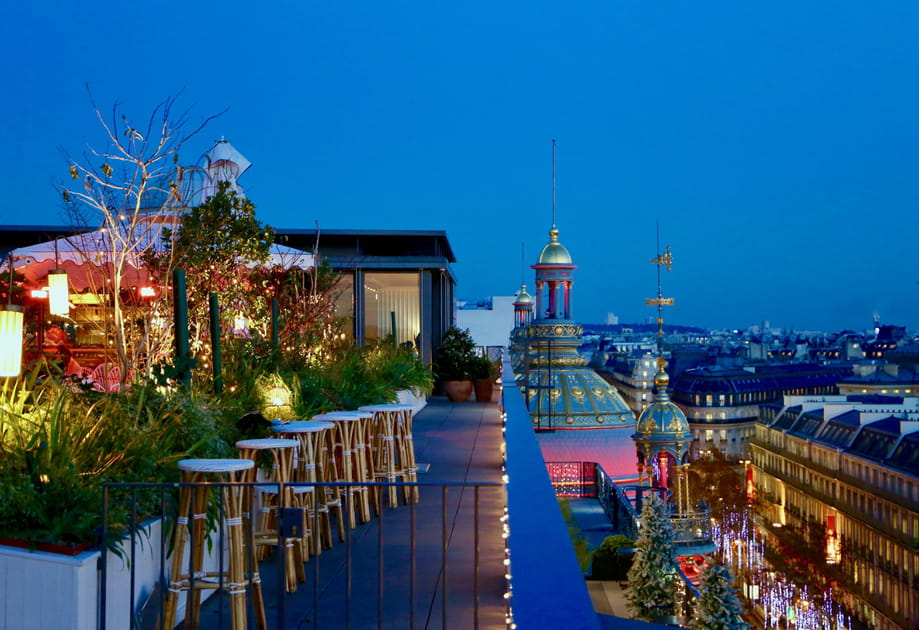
718	607
652	589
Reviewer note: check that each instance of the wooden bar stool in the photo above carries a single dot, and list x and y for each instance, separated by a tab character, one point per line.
399	416
349	434
296	548
308	469
407	444
328	470
364	460
383	440
194	500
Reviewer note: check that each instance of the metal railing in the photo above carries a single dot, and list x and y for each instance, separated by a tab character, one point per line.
588	479
417	565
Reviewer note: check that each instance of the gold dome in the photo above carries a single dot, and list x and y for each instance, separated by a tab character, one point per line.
554	253
523	297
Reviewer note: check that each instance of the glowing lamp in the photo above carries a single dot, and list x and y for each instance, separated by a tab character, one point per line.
241	326
39	294
147	292
278	396
58	293
10	340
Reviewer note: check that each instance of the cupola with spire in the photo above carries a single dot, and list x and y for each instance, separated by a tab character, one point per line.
662	435
562	391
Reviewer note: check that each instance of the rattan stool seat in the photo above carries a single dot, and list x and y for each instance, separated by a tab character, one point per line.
302	426
262	444
215	465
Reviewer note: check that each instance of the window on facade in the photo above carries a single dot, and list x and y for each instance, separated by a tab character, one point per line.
723	435
389	295
709	435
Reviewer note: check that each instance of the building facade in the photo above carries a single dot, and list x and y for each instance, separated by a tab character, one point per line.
841	474
722	404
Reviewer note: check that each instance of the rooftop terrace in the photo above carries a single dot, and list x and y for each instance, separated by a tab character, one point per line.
394	572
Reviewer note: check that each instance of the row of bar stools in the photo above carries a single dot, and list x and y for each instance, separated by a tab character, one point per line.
351	461
394	450
311	467
193	502
272	498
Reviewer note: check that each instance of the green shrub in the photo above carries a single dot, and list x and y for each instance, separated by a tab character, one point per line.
60	446
455	358
611	561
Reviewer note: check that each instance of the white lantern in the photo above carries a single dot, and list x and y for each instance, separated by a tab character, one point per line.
10	340
58	293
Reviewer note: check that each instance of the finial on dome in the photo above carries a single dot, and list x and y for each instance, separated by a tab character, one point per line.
661	380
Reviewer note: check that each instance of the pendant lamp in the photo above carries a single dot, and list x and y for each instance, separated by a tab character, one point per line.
10	334
58	291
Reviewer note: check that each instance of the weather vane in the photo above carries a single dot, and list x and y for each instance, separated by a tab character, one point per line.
662	260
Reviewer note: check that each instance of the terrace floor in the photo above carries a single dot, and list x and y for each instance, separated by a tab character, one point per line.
383	576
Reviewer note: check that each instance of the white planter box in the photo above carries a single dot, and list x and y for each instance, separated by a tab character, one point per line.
47	591
406	397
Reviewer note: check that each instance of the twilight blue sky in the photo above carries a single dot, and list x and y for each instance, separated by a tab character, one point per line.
776	142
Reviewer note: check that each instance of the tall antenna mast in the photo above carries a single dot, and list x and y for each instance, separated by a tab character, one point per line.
553	183
523	264
664	259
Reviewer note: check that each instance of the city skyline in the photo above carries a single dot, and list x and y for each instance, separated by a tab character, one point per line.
774	144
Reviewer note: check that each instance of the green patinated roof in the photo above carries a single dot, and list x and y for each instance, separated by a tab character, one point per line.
573	398
554	253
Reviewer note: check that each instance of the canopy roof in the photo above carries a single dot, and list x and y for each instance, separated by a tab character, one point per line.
88	257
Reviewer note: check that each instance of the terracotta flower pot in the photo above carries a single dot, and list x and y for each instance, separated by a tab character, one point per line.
458	391
483	389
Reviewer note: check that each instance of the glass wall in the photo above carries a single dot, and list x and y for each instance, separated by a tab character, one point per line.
344	302
389	294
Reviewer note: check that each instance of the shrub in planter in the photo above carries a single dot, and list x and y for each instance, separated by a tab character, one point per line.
59	446
484	374
611	561
455	360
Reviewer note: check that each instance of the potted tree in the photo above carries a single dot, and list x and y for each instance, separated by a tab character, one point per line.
453	363
484	374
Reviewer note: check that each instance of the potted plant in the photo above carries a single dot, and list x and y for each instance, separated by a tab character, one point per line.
453	363
484	374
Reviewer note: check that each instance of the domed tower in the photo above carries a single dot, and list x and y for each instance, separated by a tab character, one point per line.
561	391
523	316
663	439
553	280
523	308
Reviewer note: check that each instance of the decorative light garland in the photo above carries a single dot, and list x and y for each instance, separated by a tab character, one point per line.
781	601
506	529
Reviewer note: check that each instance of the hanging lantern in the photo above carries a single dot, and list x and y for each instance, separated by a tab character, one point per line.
58	293
10	340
